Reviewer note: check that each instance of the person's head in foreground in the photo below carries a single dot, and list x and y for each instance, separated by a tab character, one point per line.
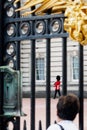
67	108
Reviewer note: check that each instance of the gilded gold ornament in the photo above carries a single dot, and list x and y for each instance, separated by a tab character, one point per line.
75	15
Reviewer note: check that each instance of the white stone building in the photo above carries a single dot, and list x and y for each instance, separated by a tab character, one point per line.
56	63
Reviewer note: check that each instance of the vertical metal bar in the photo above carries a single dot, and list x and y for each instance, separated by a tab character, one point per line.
16	123
25	126
18	56
18	43
33	85
48	103
1	32
33	78
17	60
47	83
1	50
1	62
81	121
64	66
40	125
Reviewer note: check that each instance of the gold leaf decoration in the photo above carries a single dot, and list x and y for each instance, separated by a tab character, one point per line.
75	12
76	21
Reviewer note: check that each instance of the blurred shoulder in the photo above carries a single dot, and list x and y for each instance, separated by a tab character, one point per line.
54	127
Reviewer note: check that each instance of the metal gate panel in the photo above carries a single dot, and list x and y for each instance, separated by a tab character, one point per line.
11	33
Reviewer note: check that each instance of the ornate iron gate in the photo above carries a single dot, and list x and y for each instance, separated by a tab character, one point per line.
11	25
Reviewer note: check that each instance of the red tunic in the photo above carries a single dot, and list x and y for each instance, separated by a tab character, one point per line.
57	85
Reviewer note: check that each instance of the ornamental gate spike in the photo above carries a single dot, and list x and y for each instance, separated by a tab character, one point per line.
40	125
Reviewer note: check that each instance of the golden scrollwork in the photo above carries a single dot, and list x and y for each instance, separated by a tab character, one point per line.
76	21
75	12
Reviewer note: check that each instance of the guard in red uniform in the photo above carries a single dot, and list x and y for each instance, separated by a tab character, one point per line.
57	86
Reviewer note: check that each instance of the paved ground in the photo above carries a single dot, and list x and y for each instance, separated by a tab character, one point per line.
41	110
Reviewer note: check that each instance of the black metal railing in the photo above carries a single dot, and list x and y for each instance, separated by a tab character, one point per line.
13	38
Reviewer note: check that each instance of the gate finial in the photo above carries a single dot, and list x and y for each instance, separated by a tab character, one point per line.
40	125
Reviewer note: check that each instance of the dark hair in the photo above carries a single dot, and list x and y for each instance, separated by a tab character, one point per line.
58	77
68	106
